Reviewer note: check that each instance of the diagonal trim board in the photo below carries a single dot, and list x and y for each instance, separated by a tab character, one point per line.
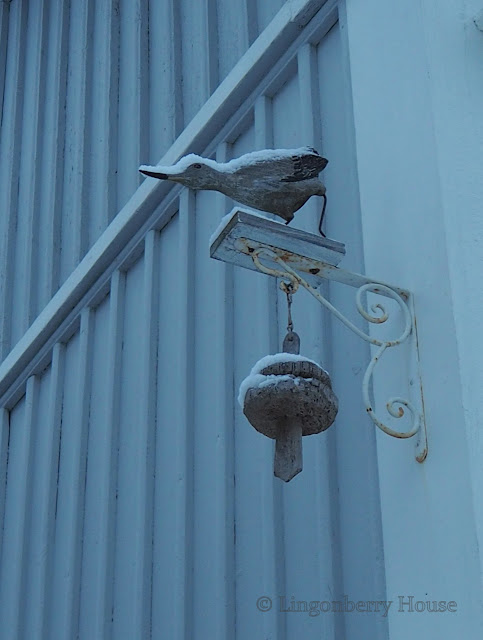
139	214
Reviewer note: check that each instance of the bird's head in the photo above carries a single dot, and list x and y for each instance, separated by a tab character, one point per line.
192	171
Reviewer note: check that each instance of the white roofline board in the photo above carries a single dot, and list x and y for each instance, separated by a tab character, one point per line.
138	214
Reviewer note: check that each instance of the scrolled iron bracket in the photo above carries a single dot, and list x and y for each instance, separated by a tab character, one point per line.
246	239
395	406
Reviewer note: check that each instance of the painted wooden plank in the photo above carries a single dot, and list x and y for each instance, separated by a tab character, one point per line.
46	436
310	124
233	33
24	303
172	603
165	69
213	430
94	508
182	581
63	584
52	160
10	148
147	423
134	517
133	143
137	216
4	13
133	542
253	29
211	37
199	64
359	493
99	524
209	346
4	439
104	130
266	11
16	522
74	232
170	432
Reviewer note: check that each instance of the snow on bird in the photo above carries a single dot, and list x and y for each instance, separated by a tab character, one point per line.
277	181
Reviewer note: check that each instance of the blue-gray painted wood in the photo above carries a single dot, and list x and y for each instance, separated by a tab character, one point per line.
222	377
4	11
133	105
10	153
173	527
26	252
103	87
443	136
4	446
129	461
104	111
78	91
16	518
166	117
97	478
44	497
50	204
63	585
226	108
353	437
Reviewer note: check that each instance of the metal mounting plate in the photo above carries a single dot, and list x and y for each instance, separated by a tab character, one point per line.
245	231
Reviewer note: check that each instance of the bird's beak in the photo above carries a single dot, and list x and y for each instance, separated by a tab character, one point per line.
162	173
154	174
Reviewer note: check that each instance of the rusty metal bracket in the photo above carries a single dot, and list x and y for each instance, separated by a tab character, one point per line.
254	242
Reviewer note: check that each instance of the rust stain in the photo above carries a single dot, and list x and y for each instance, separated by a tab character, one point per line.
303	263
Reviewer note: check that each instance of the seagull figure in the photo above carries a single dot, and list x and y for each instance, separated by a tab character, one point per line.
278	181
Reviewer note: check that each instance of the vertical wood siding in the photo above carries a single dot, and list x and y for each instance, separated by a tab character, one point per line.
136	500
10	152
89	91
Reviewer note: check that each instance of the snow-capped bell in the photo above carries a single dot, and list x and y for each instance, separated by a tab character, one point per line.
287	396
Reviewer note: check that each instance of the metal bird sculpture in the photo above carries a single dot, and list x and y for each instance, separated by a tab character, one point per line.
278	181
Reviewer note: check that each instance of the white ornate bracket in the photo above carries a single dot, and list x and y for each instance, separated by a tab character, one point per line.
246	239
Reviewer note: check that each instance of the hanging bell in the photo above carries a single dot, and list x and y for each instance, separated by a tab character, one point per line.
286	397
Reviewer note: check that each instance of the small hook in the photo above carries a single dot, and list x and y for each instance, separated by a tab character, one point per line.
288	289
292	277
